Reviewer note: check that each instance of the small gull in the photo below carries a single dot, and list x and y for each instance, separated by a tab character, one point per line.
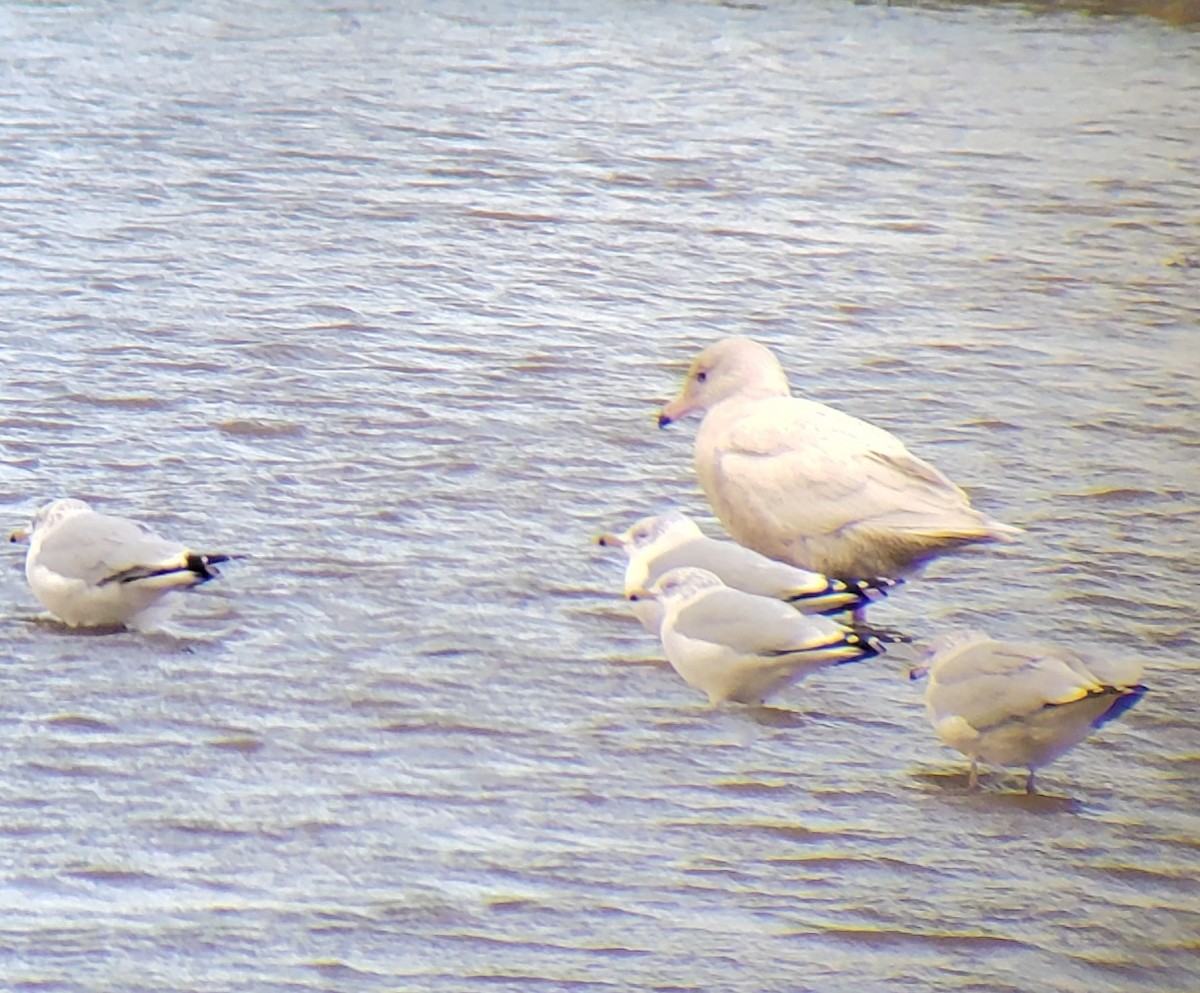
673	540
1019	704
807	484
739	647
94	570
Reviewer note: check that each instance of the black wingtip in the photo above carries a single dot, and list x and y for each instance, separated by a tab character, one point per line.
203	565
882	636
881	585
863	592
1125	698
866	646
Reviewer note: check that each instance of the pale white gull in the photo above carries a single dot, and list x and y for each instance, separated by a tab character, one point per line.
655	545
738	647
807	484
1019	704
94	570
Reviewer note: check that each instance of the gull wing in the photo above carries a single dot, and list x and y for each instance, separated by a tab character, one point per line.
96	548
987	682
752	625
810	469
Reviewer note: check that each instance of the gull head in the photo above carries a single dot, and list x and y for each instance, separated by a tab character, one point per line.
941	647
53	513
678	585
732	367
657	533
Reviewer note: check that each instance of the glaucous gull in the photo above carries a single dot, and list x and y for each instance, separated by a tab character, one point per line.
807	484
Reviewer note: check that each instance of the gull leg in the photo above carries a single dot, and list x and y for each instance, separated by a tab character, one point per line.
1030	787
973	779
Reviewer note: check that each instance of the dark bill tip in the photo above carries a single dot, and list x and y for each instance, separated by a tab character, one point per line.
664	420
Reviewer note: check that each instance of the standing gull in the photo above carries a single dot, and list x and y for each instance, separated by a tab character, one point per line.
656	545
740	647
810	485
93	570
1016	704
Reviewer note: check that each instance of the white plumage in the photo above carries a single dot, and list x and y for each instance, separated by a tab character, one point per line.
658	544
807	484
94	570
740	647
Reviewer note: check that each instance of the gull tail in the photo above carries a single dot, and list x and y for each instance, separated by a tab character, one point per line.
1006	534
840	595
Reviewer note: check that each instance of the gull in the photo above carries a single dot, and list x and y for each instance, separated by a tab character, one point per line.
672	540
739	647
94	570
1018	704
810	485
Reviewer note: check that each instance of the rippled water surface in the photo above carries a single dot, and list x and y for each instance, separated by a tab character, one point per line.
386	298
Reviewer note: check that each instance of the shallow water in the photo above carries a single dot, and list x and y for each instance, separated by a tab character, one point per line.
387	300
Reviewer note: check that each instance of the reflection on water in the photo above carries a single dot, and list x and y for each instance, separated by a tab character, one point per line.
388	299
